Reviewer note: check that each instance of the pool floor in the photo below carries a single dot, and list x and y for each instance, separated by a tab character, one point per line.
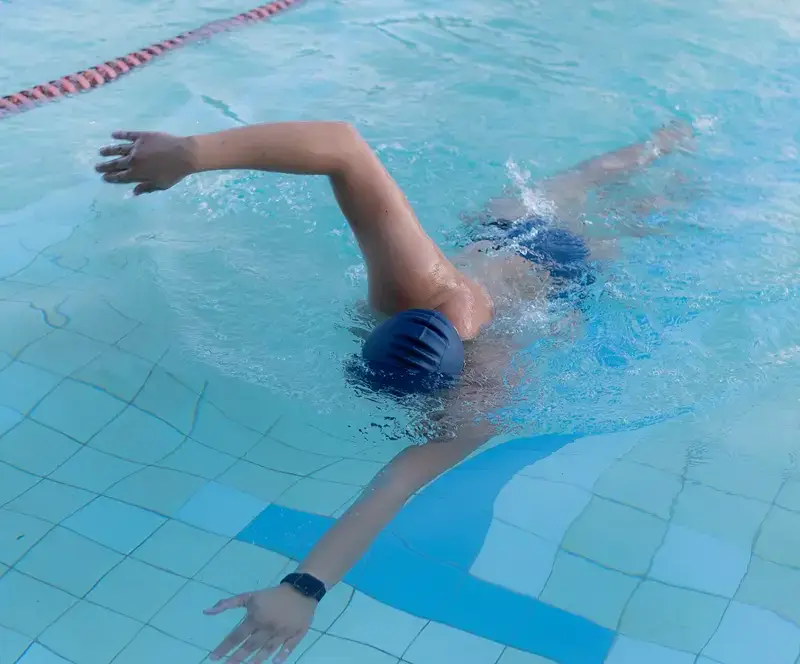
138	487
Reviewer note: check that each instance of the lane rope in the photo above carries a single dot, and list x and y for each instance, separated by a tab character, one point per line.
111	70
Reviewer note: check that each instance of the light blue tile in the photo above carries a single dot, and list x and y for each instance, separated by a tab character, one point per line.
738	476
212	428
136	589
22	385
12	645
196	459
221	510
440	643
5	359
117	372
789	496
335	650
38	654
317	496
114	524
772	586
251	405
183	617
520	501
68	561
166	398
75	634
24	326
239	567
676	618
179	364
151	646
701	562
51	501
9	418
41	272
138	436
630	651
512	656
77	410
256	480
18	534
62	352
93	470
294	429
271	454
35	448
14	482
515	559
43	604
779	540
158	489
93	318
640	486
350	471
179	548
750	634
149	342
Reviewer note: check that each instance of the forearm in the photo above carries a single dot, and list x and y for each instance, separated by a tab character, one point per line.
312	148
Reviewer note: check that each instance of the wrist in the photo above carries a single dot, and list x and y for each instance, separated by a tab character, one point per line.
192	154
305	584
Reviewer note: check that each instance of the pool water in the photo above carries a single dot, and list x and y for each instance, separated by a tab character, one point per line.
174	424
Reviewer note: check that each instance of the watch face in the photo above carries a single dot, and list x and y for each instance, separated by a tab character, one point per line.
306	585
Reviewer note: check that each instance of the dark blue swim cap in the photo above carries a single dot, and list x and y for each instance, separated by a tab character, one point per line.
414	351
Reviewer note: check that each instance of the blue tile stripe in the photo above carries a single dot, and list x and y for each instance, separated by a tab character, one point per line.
420	563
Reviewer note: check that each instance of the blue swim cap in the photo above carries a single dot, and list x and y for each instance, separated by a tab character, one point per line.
417	350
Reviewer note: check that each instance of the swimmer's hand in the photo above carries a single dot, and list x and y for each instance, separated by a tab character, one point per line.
677	135
154	161
277	620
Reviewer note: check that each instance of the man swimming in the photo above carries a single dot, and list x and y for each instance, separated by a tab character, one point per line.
431	305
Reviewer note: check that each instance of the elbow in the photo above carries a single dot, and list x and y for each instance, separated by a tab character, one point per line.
350	148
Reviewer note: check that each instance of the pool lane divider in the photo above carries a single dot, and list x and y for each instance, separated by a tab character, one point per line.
111	70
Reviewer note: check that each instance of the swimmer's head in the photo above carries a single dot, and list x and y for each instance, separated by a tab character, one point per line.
417	350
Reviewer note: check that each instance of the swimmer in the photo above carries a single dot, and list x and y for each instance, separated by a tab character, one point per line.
436	312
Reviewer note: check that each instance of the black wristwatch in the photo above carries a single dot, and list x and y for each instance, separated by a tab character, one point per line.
306	585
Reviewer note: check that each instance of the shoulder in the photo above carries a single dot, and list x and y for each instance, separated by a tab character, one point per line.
468	307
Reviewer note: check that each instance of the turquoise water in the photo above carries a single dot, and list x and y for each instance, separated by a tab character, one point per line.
255	278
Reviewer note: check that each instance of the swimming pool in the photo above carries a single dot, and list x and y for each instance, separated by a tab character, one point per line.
175	426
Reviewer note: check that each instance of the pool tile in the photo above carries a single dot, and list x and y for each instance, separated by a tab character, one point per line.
519	503
95	319
384	452
62	352
51	501
18	534
215	430
277	456
117	372
702	562
566	466
316	496
738	476
35	448
630	651
136	589
750	634
375	624
644	487
93	470
9	418
75	634
332	605
149	342
240	567
220	509
138	436
615	536
5	358
670	455
185	370
253	406
332	650
514	559
588	590
295	430
307	641
68	561
12	645
183	618
168	399
773	587
158	489
14	482
77	410
28	326
23	385
38	654
257	481
731	518
779	540
512	656
114	524
789	496
179	548
42	606
440	643
151	646
196	459
350	471
672	617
